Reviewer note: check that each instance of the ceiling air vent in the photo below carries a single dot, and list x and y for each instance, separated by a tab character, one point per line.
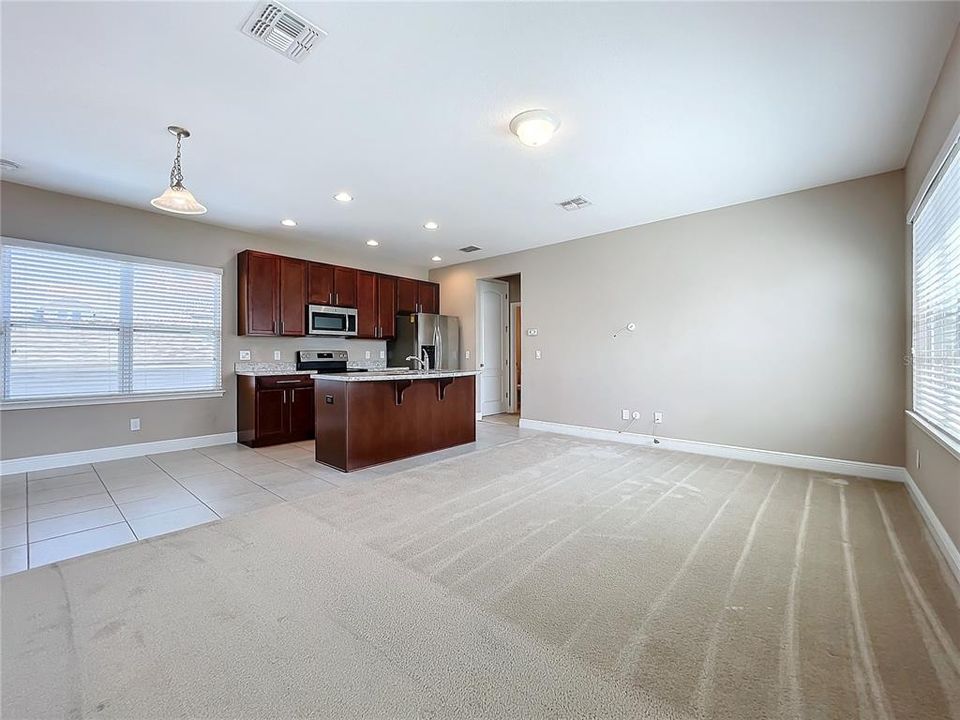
470	248
574	203
280	28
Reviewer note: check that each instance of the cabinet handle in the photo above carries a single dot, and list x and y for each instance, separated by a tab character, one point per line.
281	327
286	382
273	326
336	298
330	299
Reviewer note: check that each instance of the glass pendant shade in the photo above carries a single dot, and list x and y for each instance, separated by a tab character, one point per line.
177	199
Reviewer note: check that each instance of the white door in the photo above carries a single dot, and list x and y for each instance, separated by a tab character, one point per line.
492	343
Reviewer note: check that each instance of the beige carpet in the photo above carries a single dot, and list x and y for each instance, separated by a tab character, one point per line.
548	578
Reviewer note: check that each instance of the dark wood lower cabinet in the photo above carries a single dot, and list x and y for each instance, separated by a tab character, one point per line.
359	424
274	409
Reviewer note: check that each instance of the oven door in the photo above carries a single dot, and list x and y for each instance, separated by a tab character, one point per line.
324	320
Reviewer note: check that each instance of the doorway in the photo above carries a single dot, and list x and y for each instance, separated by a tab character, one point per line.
493	345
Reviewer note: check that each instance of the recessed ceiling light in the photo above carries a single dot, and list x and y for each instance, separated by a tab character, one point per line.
372	243
430	225
535	127
288	223
343	197
436	258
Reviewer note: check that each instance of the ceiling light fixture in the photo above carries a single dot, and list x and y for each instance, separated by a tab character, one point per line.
8	164
436	258
176	198
535	127
430	225
372	243
343	197
288	223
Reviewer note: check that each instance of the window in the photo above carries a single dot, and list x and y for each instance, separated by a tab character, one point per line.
79	324
936	302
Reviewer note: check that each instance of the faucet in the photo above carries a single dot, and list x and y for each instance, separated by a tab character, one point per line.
423	365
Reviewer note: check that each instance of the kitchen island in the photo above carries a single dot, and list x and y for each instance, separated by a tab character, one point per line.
369	418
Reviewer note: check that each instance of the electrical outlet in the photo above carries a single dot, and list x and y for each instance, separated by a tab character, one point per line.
276	354
658	418
467	354
636	414
538	355
366	354
244	354
134	424
624	414
532	332
383	354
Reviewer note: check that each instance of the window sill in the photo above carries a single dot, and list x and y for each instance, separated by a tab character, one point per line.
105	400
938	435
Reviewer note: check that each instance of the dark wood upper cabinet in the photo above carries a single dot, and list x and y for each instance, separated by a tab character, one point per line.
258	287
428	295
293	297
368	324
345	287
407	295
387	306
319	284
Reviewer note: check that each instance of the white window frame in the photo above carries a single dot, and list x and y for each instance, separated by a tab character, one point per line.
948	153
127	397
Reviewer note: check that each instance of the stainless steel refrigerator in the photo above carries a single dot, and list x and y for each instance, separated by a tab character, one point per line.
434	338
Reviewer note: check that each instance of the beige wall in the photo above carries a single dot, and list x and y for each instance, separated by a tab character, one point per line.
775	324
938	476
33	214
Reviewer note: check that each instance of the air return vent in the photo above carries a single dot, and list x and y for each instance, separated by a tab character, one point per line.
470	248
574	203
280	28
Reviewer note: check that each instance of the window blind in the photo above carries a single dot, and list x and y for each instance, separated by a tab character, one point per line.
77	324
936	302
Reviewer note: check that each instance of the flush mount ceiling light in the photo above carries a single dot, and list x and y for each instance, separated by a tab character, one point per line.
372	243
430	225
288	223
343	197
535	127
176	198
8	165
436	258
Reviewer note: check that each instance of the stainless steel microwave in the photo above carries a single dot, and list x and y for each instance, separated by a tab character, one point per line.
327	320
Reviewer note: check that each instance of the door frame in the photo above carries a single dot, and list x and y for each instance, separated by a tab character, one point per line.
514	366
505	348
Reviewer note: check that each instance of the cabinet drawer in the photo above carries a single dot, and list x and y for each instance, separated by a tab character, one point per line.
283	381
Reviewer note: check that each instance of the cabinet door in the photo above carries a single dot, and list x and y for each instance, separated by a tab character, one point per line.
319	284
387	306
293	296
407	296
345	287
259	281
367	324
428	295
301	413
272	415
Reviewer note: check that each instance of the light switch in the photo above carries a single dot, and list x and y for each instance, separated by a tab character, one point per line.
276	354
134	424
539	356
244	354
383	354
366	354
467	354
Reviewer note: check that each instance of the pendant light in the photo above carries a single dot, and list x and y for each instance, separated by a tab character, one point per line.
176	198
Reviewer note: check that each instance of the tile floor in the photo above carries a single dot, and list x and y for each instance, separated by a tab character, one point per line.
52	515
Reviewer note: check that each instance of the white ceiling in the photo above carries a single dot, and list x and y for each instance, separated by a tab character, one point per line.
667	109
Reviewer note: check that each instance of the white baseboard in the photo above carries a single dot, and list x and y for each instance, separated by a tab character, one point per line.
79	457
939	532
479	417
804	462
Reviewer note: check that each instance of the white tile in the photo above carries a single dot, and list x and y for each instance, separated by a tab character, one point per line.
127	467
68	507
66	524
79	543
172	520
13	516
286	476
185	463
12	535
13	496
61	481
59	472
120	482
90	487
218	485
243	503
13	479
156	487
302	489
155	505
13	560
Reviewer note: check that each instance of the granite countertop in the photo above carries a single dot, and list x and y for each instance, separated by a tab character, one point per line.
384	375
267	373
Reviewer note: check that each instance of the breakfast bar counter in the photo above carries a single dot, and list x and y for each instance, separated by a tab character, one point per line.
369	418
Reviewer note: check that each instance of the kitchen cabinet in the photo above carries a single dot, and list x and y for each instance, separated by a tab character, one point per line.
345	287
293	297
415	296
376	306
331	285
258	287
274	409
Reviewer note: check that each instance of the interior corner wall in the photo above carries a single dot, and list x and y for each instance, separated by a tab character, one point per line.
32	214
776	324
